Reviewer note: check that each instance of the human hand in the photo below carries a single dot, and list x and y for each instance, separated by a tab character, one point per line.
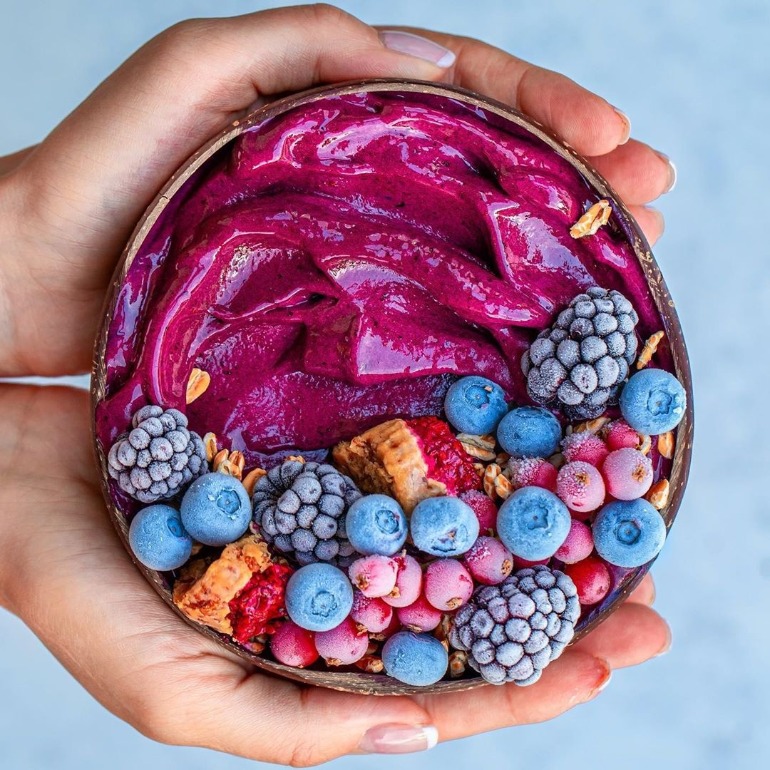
67	207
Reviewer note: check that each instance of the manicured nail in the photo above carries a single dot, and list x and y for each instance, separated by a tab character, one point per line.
398	739
671	171
604	678
667	645
627	122
417	46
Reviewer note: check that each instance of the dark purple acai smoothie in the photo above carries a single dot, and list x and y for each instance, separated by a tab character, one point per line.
342	263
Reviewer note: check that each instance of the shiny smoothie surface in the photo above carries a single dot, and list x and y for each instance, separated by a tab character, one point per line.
342	263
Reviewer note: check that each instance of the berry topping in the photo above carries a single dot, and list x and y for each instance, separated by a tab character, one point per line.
627	473
484	508
318	597
408	582
489	561
216	509
580	486
533	523
420	615
261	602
532	472
158	539
579	363
529	431
416	659
512	631
342	645
620	435
628	533
376	524
444	526
158	457
653	402
448	584
585	447
293	646
591	578
371	614
578	545
475	405
300	509
374	576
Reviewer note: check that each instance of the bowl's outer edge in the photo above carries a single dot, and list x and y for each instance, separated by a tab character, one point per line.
379	684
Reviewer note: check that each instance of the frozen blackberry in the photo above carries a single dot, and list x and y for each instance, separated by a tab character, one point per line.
513	630
300	508
579	363
158	457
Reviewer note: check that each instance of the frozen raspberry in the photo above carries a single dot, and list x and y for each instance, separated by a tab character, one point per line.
578	545
585	447
448	584
371	615
343	645
489	561
580	486
591	578
627	474
261	602
293	646
532	472
419	616
484	508
620	435
408	582
374	576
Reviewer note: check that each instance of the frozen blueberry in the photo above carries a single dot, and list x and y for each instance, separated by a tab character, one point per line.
216	509
376	524
475	405
318	597
158	539
416	659
628	533
533	523
653	402
443	526
529	431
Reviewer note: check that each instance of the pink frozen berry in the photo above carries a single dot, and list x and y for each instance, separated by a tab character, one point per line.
448	584
374	576
584	447
293	646
591	578
532	472
580	486
522	563
620	435
488	561
627	474
578	545
484	508
343	645
419	616
408	581
370	614
393	626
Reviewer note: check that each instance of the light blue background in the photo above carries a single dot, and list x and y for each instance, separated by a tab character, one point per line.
694	79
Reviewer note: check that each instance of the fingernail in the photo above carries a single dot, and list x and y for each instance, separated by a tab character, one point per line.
604	678
667	645
398	739
671	171
627	122
417	46
658	215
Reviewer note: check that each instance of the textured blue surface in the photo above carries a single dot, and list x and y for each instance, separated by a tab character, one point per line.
694	79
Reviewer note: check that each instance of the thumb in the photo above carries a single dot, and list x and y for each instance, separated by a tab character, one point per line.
108	159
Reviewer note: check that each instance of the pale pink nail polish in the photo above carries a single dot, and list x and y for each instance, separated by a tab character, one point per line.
417	46
627	133
667	645
671	171
398	739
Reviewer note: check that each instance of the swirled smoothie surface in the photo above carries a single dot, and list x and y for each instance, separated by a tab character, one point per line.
342	263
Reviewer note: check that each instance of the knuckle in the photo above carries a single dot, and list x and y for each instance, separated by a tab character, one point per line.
329	15
185	36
